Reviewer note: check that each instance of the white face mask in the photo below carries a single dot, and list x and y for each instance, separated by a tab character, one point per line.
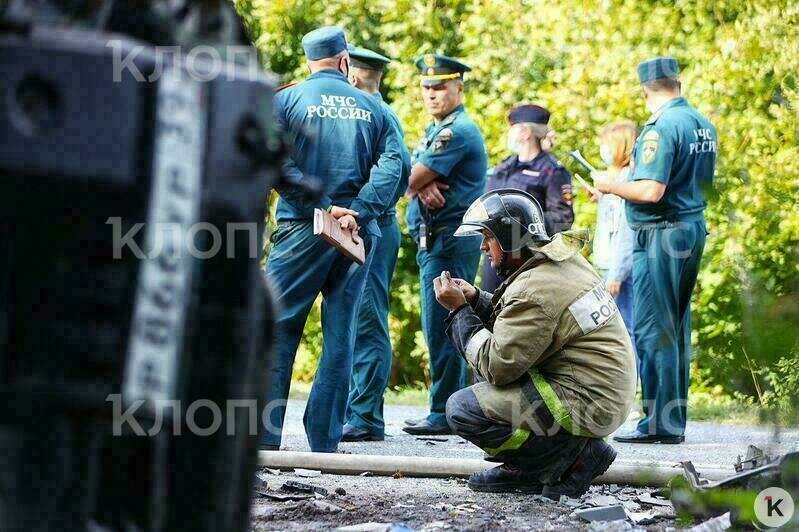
513	141
605	153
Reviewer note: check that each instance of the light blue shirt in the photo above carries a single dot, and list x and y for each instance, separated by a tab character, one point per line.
613	239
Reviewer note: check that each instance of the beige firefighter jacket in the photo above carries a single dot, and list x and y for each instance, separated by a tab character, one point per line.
554	322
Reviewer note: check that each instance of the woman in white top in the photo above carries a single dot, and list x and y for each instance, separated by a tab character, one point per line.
613	240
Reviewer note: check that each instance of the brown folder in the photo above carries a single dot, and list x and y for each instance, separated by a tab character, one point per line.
330	230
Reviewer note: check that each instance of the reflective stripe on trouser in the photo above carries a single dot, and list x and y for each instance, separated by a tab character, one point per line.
546	453
300	266
665	265
460	256
371	361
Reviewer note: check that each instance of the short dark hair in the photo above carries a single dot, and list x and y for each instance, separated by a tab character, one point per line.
663	84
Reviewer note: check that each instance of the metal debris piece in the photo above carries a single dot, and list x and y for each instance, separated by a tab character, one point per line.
631	506
431	438
298	487
340	491
283	497
613	488
429	443
754	458
717	524
603	513
703	499
367	474
653	501
327	507
270	471
643	518
307	473
366	527
602	500
568	501
610	526
259	482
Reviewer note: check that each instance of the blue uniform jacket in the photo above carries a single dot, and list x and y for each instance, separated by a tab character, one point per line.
404	154
341	137
454	148
546	179
677	147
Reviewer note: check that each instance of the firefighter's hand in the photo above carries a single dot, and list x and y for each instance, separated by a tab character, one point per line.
448	293
469	291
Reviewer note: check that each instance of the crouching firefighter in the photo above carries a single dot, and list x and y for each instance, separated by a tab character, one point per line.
555	361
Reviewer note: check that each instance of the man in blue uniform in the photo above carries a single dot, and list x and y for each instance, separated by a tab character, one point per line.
339	136
534	170
674	160
371	362
448	174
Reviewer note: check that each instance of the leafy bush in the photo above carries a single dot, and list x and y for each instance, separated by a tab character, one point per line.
578	58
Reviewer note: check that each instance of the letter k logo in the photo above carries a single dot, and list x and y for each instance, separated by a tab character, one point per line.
773	506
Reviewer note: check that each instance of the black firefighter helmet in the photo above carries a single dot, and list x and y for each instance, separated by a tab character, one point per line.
513	216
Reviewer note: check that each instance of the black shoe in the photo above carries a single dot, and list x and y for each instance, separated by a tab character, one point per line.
639	437
504	479
353	433
425	428
594	460
411	422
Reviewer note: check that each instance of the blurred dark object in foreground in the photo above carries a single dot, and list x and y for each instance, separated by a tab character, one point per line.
98	318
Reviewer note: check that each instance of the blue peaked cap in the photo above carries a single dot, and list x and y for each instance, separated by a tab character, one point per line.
324	42
658	68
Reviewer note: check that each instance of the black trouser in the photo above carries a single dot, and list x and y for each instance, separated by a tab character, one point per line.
546	455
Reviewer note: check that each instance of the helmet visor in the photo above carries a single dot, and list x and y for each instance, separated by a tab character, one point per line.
466	229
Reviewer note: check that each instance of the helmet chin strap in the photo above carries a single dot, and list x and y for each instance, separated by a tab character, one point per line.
502	268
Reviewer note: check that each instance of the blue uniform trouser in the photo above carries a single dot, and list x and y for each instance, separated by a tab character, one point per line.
665	265
460	256
371	362
300	266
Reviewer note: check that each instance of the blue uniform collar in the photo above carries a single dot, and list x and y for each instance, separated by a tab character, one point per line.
450	118
676	102
328	73
378	96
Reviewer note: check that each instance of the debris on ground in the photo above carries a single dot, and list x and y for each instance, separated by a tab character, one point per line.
307	473
367	474
653	501
611	526
259	482
702	499
293	486
431	438
326	507
398	474
340	491
717	524
602	513
270	471
754	458
283	497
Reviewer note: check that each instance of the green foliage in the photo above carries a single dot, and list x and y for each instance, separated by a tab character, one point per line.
578	58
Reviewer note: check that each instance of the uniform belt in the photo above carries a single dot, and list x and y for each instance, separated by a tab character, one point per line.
384	220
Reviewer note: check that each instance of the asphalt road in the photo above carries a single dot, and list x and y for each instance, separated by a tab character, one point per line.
705	443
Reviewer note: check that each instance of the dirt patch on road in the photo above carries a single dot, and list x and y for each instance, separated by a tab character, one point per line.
424	504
